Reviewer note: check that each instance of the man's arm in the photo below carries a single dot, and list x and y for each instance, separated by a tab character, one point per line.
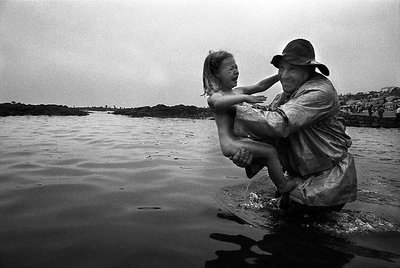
314	101
259	86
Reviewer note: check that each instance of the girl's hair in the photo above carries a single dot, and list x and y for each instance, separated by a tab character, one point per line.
211	65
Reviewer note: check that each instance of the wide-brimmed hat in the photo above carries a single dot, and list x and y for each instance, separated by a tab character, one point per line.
300	52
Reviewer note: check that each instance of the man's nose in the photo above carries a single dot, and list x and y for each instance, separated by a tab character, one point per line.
283	74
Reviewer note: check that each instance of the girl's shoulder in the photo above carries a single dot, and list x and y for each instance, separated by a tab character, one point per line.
212	98
216	94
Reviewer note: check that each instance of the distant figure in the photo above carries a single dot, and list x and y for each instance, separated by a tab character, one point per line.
381	110
370	110
220	76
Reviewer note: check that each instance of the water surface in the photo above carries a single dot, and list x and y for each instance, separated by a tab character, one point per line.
113	191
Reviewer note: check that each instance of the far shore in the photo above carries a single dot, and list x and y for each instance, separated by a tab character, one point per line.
178	111
18	109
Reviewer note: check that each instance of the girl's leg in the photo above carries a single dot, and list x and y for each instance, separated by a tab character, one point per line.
276	174
230	145
267	155
255	166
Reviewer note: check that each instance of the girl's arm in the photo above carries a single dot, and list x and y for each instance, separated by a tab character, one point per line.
217	101
258	87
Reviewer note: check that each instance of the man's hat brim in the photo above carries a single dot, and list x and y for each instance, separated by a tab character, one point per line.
295	60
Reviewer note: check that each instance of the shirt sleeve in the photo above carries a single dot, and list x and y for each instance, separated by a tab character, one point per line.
312	102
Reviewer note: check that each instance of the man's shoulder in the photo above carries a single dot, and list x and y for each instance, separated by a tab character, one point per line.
319	80
317	83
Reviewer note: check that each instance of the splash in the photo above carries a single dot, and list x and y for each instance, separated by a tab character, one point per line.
350	222
344	222
257	202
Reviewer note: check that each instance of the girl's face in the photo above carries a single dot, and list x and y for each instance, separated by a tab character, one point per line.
228	74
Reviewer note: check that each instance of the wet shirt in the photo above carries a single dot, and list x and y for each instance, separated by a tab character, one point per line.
309	136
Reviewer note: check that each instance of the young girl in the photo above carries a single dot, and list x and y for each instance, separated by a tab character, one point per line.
220	75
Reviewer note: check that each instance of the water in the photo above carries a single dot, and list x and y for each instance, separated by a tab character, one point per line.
113	191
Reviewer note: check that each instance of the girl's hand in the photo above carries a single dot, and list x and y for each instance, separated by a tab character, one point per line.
256	98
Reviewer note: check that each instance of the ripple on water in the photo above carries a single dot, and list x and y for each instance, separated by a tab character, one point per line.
73	184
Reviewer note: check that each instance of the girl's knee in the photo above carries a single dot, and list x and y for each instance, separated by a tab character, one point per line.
227	151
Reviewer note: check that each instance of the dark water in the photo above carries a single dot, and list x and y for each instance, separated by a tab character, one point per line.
114	191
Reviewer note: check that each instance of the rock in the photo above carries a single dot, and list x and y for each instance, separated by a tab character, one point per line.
15	109
356	120
163	111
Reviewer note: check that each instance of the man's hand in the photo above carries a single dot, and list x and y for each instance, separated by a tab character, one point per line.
242	157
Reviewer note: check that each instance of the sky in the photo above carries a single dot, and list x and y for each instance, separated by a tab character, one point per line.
148	52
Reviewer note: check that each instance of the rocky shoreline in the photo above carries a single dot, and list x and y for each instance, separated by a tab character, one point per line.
357	120
163	111
17	109
183	111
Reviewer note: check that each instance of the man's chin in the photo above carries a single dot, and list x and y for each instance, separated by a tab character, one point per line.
288	89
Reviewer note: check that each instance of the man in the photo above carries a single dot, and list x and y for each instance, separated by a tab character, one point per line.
397	114
307	132
370	108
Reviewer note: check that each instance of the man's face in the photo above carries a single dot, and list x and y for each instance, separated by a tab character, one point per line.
292	76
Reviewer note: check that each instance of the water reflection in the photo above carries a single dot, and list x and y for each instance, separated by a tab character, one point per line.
277	250
304	241
291	245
